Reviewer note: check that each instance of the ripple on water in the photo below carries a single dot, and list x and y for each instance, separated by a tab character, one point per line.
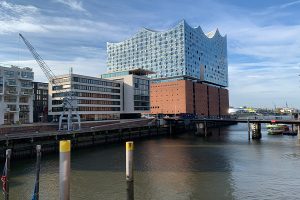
291	156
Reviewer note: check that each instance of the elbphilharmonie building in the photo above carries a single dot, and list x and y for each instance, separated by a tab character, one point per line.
181	53
188	69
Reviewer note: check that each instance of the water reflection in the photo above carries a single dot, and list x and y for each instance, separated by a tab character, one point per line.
182	167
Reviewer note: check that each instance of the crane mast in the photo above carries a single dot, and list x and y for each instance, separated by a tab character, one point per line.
69	99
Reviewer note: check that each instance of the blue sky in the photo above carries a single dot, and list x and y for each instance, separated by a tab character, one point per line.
263	38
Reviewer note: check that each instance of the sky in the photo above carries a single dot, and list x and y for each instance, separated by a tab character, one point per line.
263	38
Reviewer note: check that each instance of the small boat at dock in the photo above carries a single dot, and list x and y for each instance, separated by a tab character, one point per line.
277	129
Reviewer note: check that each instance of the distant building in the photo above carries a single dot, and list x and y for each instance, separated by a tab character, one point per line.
16	95
40	102
136	91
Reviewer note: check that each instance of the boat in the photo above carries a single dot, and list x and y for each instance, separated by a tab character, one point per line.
277	129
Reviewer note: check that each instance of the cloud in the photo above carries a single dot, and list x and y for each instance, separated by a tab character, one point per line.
289	4
19	18
92	67
73	4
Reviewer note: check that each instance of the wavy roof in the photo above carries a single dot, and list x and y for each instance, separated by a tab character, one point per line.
209	35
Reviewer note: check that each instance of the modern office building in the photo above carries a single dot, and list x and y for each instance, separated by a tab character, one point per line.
181	53
118	95
16	95
136	91
191	70
98	98
40	102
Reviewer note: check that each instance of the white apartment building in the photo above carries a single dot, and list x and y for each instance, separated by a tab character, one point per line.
98	99
16	95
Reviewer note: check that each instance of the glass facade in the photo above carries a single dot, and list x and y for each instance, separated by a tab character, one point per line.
141	94
182	51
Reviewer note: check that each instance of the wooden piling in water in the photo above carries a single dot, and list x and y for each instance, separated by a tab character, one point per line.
64	169
129	170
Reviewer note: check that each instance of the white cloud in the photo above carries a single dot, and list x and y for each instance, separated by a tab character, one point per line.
289	4
91	67
73	4
19	18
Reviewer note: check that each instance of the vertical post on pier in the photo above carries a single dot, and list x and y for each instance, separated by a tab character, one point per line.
5	179
249	130
129	170
37	176
298	133
205	129
170	125
64	169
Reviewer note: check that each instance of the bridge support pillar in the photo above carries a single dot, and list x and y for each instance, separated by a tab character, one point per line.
200	128
170	128
256	131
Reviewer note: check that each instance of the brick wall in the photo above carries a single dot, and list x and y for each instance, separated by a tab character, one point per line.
201	103
168	97
224	101
213	101
180	97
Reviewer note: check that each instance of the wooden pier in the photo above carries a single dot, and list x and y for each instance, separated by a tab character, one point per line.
24	144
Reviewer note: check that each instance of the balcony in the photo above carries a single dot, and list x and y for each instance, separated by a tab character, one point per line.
11	92
26	76
12	109
26	93
26	86
11	83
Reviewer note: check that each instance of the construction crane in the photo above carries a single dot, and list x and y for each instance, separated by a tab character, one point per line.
69	99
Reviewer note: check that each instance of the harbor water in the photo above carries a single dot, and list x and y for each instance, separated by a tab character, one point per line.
225	166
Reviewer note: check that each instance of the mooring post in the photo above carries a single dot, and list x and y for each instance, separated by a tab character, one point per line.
129	170
64	169
37	176
6	174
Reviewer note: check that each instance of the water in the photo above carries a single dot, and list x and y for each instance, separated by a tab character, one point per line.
183	167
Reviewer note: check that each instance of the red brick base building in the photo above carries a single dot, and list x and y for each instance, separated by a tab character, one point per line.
185	96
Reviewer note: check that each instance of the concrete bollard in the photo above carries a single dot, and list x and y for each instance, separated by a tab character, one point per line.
64	169
129	170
